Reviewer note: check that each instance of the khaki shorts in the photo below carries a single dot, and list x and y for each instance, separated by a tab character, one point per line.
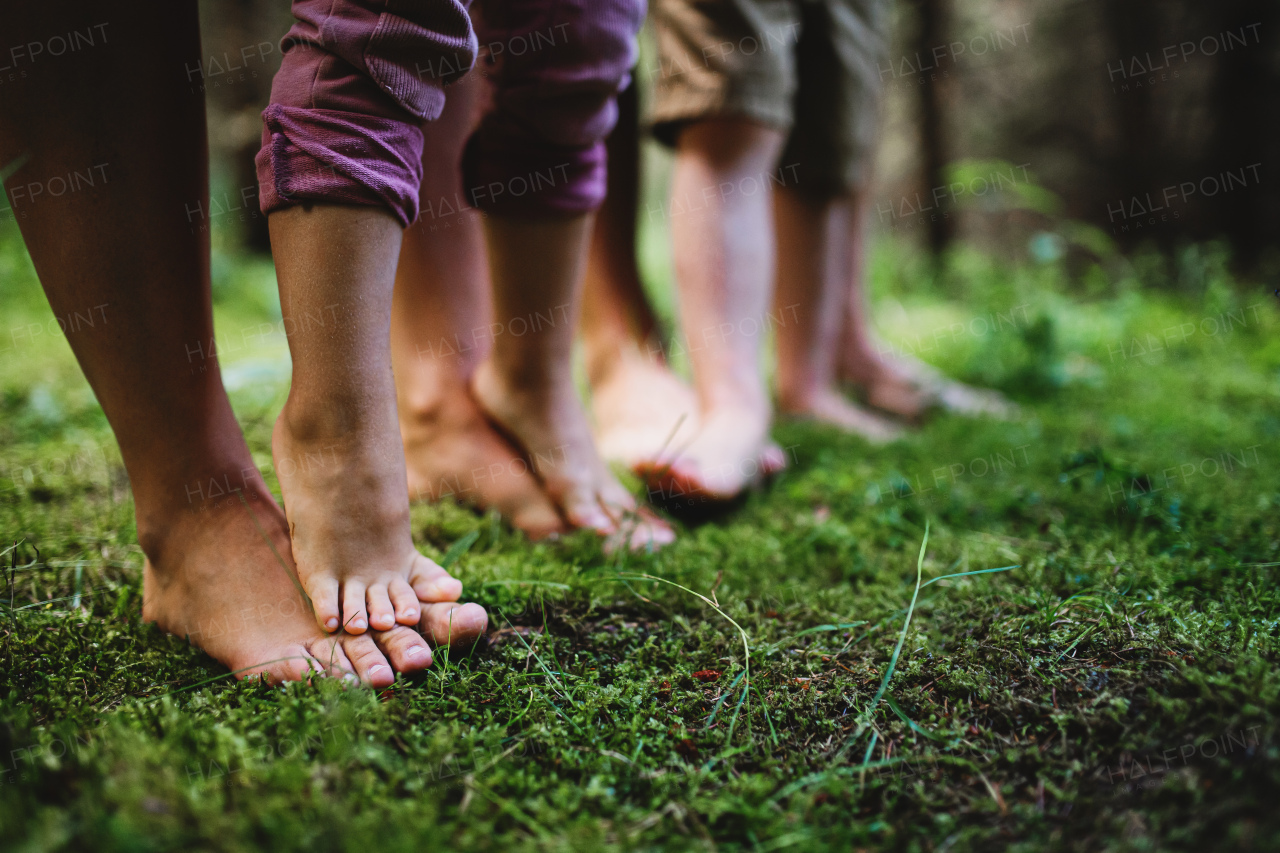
808	67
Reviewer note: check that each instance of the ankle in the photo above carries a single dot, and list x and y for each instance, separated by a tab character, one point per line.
539	377
335	418
166	521
428	399
799	397
743	394
620	359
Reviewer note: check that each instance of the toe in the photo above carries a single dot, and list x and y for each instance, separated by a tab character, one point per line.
404	601
369	663
433	584
381	615
615	500
324	599
688	478
354	618
642	530
537	518
295	664
651	531
772	459
582	509
453	624
331	659
404	647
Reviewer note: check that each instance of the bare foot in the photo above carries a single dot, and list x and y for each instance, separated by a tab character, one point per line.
730	452
643	412
550	426
212	577
830	407
451	449
344	496
910	389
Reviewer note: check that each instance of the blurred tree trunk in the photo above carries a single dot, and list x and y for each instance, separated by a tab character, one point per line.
242	19
931	31
1246	101
240	46
1136	161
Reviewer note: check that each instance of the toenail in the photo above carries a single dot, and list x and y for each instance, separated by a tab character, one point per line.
415	651
332	624
375	669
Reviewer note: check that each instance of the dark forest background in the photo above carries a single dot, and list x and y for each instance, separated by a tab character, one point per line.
1122	124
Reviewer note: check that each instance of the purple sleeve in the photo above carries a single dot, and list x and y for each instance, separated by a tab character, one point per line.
556	67
357	79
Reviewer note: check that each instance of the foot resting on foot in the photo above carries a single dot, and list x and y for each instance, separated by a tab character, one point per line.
451	449
212	577
348	513
547	422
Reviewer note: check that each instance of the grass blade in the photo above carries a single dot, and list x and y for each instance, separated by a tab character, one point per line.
457	549
965	574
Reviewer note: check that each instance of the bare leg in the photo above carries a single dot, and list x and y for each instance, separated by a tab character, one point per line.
724	249
642	410
526	384
336	443
119	244
898	385
440	330
819	253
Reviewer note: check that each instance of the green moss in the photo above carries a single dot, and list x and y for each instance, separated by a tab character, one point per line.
1117	691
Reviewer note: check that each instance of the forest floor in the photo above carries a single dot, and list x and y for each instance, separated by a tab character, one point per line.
1109	692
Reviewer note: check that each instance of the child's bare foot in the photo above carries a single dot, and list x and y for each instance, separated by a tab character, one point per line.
343	483
451	449
212	577
730	452
549	425
829	406
910	389
644	413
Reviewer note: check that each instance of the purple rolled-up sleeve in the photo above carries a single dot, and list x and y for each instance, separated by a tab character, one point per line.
556	68
357	80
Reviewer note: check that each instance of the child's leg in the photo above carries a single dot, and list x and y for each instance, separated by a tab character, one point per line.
727	112
821	220
820	259
893	383
526	385
337	444
724	258
440	331
116	251
340	170
536	167
644	413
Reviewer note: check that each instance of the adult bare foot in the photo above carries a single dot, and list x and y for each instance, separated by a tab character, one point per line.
910	389
829	406
451	449
731	452
213	578
549	425
644	413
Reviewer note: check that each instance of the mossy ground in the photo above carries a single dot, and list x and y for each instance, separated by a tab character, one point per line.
1117	690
